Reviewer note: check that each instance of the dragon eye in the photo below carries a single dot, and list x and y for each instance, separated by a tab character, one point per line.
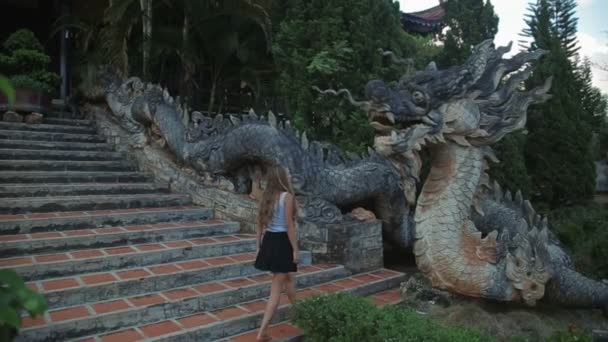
418	97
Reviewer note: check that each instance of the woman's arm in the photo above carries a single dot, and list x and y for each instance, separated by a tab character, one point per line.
258	236
291	227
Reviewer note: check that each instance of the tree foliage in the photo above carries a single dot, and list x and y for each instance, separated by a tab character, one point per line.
16	297
186	45
334	44
25	62
469	22
559	155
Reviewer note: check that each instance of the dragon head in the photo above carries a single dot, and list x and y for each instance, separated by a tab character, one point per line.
527	264
468	104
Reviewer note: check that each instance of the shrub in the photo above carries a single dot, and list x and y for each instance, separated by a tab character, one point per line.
14	298
584	231
25	62
570	336
22	39
345	318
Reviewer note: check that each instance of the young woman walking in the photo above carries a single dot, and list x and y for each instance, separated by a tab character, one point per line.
278	249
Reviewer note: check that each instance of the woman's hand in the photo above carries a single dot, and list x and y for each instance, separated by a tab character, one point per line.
296	257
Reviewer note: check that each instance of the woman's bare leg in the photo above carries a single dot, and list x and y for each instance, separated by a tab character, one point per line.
290	287
278	282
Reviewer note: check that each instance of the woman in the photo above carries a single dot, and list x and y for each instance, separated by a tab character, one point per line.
278	250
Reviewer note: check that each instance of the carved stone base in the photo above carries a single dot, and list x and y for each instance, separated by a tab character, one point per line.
354	244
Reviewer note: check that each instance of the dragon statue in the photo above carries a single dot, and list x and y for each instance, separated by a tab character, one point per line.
328	182
469	236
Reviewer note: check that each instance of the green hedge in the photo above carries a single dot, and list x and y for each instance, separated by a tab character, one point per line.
346	318
15	299
584	231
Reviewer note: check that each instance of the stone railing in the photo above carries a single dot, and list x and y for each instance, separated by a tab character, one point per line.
355	244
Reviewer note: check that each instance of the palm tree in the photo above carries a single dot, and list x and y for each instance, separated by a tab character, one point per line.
212	35
120	17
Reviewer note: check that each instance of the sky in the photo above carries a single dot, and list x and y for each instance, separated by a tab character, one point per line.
592	28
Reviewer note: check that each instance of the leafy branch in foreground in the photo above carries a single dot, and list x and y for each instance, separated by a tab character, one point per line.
15	297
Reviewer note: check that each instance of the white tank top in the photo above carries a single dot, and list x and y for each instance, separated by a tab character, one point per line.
278	224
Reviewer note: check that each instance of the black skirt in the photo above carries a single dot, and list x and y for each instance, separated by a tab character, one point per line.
276	254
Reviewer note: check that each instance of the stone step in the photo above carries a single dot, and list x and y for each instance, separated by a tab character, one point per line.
28	154
160	305
280	332
94	287
48	136
79	189
63	113
66	165
47	145
67	122
39	243
56	128
287	332
28	177
67	222
22	205
64	263
219	324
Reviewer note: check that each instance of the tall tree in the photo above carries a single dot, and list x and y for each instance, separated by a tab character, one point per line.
592	100
121	17
468	23
212	37
594	108
558	151
334	44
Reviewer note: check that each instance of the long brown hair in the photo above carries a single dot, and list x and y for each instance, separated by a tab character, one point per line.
277	181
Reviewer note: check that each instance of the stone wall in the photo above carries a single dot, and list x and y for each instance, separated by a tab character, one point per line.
355	244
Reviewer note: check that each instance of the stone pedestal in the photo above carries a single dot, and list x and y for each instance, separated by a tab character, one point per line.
355	244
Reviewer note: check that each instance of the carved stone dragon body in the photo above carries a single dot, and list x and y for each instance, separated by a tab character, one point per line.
469	236
328	180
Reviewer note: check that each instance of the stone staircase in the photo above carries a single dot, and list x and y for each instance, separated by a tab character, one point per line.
121	258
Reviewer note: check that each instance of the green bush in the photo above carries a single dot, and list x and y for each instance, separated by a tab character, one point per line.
345	318
14	298
23	39
29	60
334	44
584	231
570	336
26	63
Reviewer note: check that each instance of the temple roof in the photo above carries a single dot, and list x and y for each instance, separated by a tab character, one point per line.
426	21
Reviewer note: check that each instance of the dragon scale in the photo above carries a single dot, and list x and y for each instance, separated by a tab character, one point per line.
449	250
